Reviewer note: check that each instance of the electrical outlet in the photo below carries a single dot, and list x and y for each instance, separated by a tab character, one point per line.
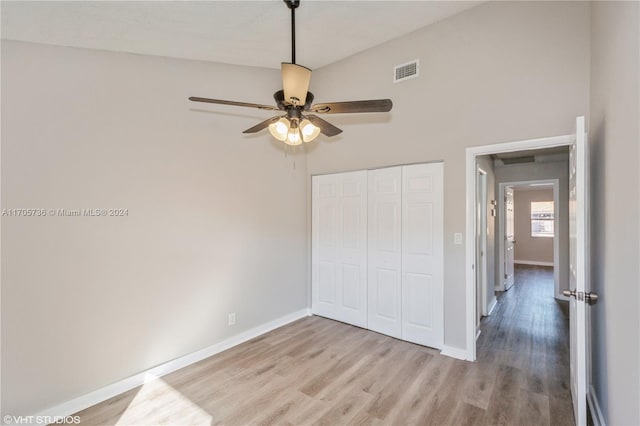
232	318
457	238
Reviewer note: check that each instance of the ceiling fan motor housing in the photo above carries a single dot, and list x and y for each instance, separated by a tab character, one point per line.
294	113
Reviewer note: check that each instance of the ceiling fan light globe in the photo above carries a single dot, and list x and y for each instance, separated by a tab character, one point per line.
280	129
294	137
309	131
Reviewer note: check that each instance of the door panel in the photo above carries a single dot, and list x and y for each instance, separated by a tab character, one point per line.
385	295
384	255
578	282
339	247
422	254
419	287
351	227
327	282
420	221
509	238
350	291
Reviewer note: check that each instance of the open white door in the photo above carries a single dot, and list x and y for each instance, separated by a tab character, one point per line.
579	251
481	249
509	237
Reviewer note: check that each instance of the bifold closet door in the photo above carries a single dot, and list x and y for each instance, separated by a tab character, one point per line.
423	254
339	247
384	258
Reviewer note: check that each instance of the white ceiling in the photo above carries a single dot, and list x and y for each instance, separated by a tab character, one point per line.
243	32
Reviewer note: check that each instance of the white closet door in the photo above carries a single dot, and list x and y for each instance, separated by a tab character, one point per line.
385	297
339	247
423	254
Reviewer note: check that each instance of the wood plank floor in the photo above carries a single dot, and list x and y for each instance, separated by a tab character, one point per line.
319	371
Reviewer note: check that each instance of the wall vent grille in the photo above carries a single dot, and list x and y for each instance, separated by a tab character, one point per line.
405	71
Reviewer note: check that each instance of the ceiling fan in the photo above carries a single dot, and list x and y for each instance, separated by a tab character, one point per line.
297	124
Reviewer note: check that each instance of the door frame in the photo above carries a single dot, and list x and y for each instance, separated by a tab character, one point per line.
471	171
556	231
482	205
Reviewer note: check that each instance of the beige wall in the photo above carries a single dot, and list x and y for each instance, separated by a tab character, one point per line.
502	71
216	220
615	209
528	248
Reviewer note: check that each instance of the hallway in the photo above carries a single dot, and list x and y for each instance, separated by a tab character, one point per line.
525	343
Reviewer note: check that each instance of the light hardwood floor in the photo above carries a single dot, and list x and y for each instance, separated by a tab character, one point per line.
319	371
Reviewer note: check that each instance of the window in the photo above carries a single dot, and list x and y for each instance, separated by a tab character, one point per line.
542	219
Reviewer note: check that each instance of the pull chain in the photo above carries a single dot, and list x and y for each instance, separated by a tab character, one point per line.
286	154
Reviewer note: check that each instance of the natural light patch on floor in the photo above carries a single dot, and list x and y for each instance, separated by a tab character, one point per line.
160	404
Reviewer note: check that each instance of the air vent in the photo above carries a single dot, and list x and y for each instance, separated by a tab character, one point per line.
405	71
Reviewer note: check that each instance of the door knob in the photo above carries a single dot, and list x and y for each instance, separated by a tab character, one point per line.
590	297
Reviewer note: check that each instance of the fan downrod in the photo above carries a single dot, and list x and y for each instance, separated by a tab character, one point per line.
293	5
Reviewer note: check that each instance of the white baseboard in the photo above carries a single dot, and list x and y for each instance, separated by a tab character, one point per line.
85	401
492	306
594	408
532	263
452	352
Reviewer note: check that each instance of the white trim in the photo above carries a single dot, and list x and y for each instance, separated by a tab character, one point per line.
594	408
85	401
492	306
457	353
483	204
471	154
533	263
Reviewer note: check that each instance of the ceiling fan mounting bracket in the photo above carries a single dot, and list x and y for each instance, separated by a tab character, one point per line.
292	4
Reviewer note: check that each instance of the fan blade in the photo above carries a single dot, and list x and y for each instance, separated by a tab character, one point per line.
242	104
326	128
295	82
262	125
374	105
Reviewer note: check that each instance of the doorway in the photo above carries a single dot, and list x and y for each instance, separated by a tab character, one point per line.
520	243
474	155
578	243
